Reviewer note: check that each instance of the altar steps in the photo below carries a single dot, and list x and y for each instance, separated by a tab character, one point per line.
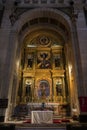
54	116
41	127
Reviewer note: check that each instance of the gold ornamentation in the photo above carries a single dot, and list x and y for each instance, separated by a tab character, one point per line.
44	41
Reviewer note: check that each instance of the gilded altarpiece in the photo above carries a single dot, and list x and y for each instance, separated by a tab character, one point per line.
43	72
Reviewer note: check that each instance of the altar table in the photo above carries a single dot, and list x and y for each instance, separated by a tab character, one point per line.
38	117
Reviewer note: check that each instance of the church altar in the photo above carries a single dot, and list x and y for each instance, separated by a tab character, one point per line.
47	106
38	117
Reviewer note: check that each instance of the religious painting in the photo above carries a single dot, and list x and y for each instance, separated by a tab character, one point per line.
43	60
44	89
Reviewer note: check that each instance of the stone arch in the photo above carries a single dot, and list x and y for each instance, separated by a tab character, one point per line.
35	13
27	16
41	12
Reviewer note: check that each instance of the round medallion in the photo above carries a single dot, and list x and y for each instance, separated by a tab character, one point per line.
44	41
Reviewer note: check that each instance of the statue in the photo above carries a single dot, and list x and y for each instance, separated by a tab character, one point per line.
28	90
43	105
57	61
30	61
58	89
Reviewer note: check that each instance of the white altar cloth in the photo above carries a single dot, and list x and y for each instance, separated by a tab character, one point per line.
38	117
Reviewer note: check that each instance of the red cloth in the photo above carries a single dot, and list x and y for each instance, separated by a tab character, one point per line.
56	120
83	104
65	120
27	121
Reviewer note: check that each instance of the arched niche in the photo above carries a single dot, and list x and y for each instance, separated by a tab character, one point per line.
25	26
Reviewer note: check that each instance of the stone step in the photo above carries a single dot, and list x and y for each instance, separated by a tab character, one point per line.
41	127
